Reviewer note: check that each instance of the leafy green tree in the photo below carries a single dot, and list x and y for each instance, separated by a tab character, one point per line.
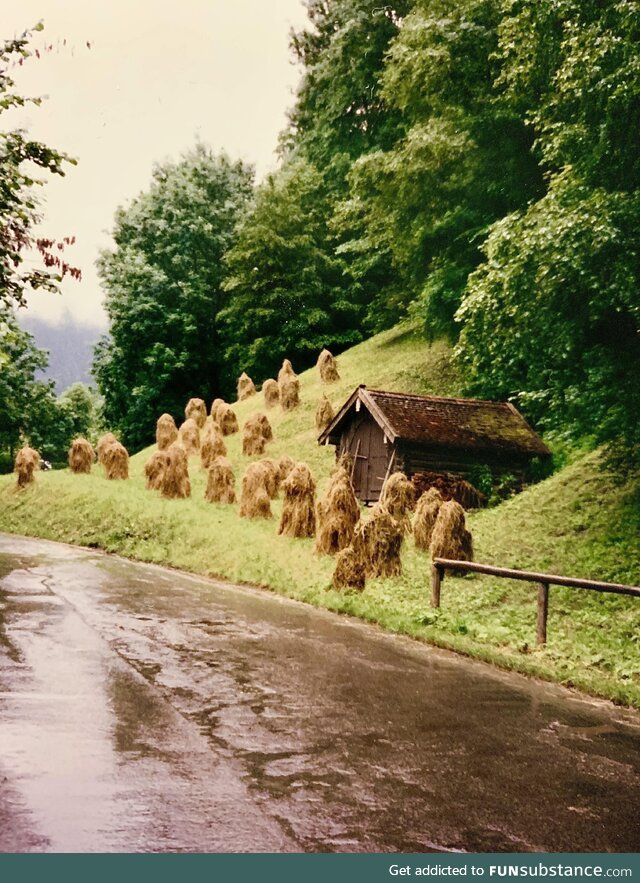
163	284
19	157
288	294
552	318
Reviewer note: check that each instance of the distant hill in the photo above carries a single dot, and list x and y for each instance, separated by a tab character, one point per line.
70	347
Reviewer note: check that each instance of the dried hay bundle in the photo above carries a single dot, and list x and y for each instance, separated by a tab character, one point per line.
189	437
337	515
324	413
350	571
246	387
196	410
26	462
226	419
254	499
115	459
451	487
398	498
271	393
154	470
216	405
286	371
103	443
81	456
289	392
175	484
285	465
298	517
450	538
212	445
272	476
379	541
328	367
261	421
253	441
425	518
221	483
166	431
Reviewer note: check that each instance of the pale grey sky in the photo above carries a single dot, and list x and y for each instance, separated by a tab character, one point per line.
158	75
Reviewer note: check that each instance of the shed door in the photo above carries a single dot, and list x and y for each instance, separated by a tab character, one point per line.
367	444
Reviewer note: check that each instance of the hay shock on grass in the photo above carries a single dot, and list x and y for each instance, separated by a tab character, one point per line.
166	431
253	441
286	371
103	443
212	444
221	484
350	571
450	538
289	392
175	484
398	498
298	517
81	456
215	408
328	367
254	499
196	410
226	419
246	387
424	518
26	462
189	437
115	459
154	470
271	393
285	465
324	413
336	515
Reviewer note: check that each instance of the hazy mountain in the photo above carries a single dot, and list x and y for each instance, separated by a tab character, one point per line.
70	347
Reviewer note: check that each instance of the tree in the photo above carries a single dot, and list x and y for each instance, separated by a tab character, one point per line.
288	293
163	284
18	204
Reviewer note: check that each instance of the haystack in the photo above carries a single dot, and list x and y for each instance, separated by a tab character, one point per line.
272	476
328	367
350	570
379	541
285	466
253	440
298	517
81	456
215	408
286	371
246	387
154	470
289	392
324	413
189	437
226	419
166	431
115	459
254	499
398	498
26	463
425	518
103	443
175	484
337	515
450	538
211	444
271	393
196	410
221	484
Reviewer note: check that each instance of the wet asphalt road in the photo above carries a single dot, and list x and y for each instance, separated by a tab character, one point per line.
144	710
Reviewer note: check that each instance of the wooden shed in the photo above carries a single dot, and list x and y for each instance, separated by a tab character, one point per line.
389	431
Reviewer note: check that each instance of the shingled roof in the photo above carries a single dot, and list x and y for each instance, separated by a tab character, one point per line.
468	424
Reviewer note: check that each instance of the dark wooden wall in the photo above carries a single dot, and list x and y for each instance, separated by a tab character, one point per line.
365	442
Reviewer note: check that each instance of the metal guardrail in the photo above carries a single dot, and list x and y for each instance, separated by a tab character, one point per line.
542	580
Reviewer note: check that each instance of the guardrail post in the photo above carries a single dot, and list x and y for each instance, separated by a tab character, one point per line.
543	611
437	574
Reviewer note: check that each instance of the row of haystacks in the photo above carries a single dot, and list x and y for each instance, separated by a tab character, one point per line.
285	391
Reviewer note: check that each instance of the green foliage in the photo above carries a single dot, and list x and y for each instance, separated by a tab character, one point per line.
288	296
19	158
163	284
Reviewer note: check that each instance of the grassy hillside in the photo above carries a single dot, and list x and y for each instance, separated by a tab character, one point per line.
577	522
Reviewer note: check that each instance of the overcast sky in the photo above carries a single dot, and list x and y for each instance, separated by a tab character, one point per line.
157	76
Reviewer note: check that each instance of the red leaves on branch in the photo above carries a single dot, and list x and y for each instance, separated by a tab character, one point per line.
50	260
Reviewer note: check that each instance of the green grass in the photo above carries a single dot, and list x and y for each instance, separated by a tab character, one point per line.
578	522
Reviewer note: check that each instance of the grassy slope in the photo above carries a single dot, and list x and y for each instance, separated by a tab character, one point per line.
577	522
